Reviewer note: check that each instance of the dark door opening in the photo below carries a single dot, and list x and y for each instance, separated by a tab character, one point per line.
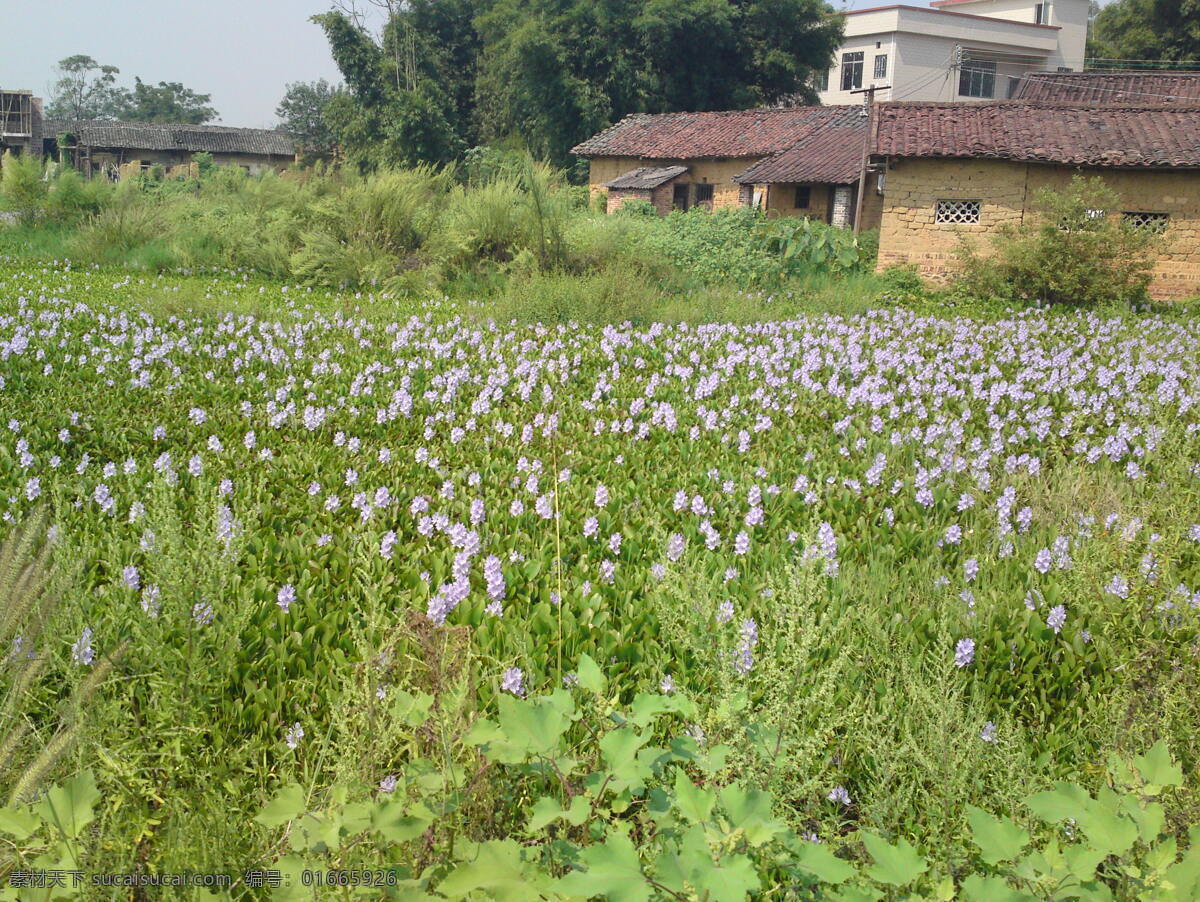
679	198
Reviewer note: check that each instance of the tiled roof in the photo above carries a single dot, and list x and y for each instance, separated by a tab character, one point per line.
190	138
1159	137
1103	87
711	135
831	154
646	177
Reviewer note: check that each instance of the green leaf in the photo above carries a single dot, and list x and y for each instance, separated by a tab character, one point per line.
1083	861
694	803
620	751
590	677
1157	768
612	870
992	889
749	810
895	865
998	839
18	823
1058	804
287	805
394	821
69	806
819	861
498	869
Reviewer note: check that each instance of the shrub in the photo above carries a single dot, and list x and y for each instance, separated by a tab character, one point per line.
1075	253
22	190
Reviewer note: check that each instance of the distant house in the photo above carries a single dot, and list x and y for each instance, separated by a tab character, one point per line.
799	161
20	122
953	50
124	148
955	170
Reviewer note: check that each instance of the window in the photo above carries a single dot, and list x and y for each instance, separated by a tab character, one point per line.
881	65
957	212
704	196
803	197
977	79
1039	14
821	80
1154	222
679	198
852	71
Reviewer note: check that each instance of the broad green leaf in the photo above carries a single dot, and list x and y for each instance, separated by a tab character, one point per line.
819	861
395	821
694	803
896	865
1083	860
977	888
1157	768
498	869
999	839
69	807
590	676
1066	800
287	805
749	810
730	879
612	870
620	750
18	823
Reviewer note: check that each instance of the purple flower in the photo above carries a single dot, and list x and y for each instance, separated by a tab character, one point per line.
988	733
513	681
285	597
675	546
1057	617
294	735
964	652
840	795
82	652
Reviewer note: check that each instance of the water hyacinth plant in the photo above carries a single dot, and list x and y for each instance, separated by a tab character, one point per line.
893	565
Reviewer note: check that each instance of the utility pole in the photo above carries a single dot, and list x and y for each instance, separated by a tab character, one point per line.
868	111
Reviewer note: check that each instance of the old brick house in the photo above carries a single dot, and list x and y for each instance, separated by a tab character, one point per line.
126	147
955	170
799	161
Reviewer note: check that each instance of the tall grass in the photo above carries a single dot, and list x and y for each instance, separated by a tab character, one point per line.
514	233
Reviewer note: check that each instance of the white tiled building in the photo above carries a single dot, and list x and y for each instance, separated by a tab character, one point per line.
954	50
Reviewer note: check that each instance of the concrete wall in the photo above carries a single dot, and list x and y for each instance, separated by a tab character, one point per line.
920	44
1070	16
909	234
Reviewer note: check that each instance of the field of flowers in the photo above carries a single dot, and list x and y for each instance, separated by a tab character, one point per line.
897	565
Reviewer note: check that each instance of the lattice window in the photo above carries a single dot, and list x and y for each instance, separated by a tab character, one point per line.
957	212
1155	222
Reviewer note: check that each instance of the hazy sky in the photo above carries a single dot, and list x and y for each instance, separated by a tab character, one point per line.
242	52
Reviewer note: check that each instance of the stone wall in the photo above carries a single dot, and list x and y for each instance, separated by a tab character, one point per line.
909	234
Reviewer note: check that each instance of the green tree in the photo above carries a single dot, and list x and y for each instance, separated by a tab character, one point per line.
553	72
549	73
395	111
1150	30
84	89
168	101
302	112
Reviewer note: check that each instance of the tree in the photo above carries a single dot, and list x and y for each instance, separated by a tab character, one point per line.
84	90
168	101
394	110
302	112
549	73
1147	30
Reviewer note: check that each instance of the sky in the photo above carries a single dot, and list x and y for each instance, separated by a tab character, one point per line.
242	52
